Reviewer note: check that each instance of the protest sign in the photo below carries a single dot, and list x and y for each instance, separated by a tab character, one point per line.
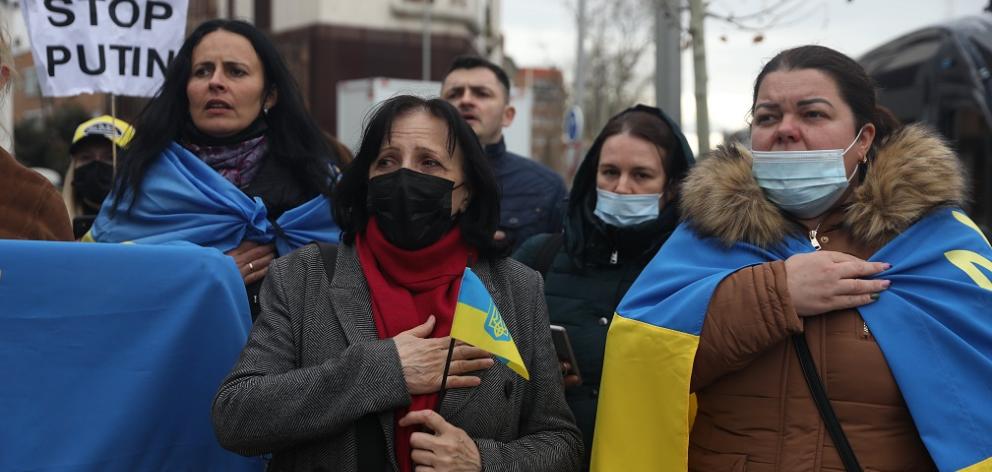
116	46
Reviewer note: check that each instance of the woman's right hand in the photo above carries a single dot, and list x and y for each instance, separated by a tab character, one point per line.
253	260
422	360
824	281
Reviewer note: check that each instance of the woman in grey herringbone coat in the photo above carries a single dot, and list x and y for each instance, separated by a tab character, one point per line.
342	370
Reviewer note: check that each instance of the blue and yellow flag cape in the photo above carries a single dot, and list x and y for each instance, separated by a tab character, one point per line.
111	354
183	199
934	326
477	322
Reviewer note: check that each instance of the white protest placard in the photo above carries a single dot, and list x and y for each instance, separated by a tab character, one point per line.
111	46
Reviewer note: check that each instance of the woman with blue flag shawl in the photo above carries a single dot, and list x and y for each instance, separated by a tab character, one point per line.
225	155
832	256
622	207
345	367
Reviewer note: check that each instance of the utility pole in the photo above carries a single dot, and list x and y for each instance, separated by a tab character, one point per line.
425	44
668	58
580	56
696	16
574	122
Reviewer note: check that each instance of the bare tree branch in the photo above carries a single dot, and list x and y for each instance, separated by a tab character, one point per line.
619	36
773	8
778	15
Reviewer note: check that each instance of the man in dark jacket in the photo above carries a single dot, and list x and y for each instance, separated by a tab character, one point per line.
533	196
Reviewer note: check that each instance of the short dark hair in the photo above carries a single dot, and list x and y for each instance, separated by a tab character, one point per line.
478	221
855	85
293	136
474	62
652	128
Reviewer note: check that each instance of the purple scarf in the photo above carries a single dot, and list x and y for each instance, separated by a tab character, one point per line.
238	163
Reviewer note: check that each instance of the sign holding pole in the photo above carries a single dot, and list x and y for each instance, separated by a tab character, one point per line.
121	47
573	124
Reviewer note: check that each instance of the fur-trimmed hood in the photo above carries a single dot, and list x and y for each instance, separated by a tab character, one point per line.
914	172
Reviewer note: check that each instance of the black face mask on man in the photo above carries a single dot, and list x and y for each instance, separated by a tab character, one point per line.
413	210
92	182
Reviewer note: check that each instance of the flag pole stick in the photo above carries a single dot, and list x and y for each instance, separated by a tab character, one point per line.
113	146
444	377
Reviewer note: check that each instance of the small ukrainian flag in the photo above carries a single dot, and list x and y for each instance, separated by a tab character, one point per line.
477	322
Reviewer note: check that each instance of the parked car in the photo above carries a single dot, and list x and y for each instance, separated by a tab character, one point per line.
941	75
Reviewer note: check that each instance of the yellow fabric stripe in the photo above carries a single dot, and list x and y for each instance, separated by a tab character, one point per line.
962	218
469	326
644	413
983	466
87	238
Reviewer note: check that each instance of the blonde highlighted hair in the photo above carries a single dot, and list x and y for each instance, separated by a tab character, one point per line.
6	63
6	60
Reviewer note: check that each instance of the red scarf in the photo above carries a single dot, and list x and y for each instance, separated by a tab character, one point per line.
406	288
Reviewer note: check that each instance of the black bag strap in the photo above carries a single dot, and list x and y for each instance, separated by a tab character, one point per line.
819	394
368	432
329	253
546	255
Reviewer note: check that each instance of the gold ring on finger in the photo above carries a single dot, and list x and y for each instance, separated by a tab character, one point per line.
251	267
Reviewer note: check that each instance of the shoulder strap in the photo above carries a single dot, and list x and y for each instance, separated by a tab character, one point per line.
819	394
371	441
546	255
329	253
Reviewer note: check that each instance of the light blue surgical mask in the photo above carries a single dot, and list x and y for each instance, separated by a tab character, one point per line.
626	210
802	183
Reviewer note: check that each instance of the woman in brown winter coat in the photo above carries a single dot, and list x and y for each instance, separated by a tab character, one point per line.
755	411
811	216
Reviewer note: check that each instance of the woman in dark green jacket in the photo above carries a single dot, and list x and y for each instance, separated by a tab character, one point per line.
622	207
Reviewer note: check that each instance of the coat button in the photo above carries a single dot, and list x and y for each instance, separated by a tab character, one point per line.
824	239
594	393
514	220
604	321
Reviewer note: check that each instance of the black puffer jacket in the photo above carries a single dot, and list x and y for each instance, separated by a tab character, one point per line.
593	267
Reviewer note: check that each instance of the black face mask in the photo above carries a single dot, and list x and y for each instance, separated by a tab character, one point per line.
413	210
92	182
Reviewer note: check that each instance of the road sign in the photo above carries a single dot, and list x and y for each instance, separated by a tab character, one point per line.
573	124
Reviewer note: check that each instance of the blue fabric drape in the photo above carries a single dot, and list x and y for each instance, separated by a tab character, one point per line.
183	199
112	354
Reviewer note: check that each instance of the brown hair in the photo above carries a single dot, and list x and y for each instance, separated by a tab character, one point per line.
342	153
